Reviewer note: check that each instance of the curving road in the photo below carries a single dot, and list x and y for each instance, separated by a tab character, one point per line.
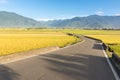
82	61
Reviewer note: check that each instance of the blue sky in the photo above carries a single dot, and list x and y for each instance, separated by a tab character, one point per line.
56	9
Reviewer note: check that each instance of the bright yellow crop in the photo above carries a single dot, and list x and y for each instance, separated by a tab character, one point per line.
107	38
12	43
110	39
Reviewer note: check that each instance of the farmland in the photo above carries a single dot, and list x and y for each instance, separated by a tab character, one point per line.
90	32
107	36
112	40
18	40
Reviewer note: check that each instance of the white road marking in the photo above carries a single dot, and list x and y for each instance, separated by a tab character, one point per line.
112	68
27	57
40	54
73	44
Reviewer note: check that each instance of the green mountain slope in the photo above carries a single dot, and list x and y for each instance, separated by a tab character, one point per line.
8	19
93	21
11	20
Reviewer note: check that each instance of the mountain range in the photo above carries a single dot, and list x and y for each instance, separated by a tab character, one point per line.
91	22
11	20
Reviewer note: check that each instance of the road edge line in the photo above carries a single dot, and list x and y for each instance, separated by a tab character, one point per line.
27	57
110	65
72	45
39	54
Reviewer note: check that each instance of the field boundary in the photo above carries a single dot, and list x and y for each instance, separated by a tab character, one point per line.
32	53
111	65
114	58
25	54
113	61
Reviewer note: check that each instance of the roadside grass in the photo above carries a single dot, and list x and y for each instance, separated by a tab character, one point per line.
116	48
12	41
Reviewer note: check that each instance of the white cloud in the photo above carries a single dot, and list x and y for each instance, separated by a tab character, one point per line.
3	1
99	13
118	14
61	17
48	19
44	19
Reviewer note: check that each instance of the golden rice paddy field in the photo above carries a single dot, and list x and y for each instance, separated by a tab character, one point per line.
109	39
107	36
17	40
12	41
112	40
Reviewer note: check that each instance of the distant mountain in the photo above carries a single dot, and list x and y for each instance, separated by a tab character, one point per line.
9	19
93	21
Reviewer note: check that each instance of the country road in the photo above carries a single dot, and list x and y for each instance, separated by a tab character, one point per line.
82	61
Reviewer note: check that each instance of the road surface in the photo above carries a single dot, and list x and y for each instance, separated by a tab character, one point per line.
82	61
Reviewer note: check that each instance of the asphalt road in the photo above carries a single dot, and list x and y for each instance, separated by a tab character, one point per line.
83	61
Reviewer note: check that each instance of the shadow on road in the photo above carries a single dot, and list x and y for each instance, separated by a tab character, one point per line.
78	66
74	66
97	46
7	73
